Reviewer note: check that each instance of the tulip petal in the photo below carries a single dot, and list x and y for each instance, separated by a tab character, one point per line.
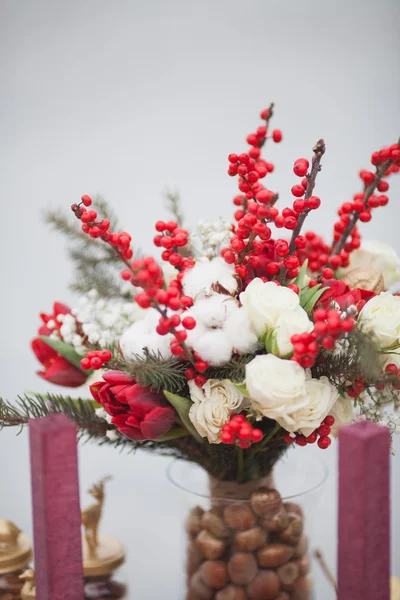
117	377
157	422
61	372
61	309
43	351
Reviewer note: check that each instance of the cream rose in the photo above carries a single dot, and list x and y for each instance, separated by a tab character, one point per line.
265	302
320	396
343	413
276	386
380	257
381	315
288	324
213	405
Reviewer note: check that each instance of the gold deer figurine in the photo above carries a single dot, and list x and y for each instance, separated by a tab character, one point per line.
92	514
29	588
8	535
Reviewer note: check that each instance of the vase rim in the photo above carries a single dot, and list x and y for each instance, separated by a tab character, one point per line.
181	485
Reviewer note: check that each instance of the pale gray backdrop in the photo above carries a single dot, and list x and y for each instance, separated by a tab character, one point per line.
126	98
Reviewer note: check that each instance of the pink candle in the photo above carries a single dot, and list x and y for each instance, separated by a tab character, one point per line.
56	510
364	513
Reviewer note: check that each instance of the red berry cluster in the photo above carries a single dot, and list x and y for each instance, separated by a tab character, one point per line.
95	359
101	229
240	431
321	434
328	328
171	238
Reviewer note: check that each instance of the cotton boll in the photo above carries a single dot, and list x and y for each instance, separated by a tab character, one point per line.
214	347
141	336
200	279
238	328
213	311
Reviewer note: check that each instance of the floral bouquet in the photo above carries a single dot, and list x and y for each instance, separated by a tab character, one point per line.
243	339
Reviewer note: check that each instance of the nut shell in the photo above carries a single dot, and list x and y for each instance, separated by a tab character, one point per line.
264	586
194	558
214	573
302	547
366	279
251	539
242	568
288	573
302	588
231	592
265	502
193	522
198	589
278	522
293	531
212	521
211	547
239	517
274	555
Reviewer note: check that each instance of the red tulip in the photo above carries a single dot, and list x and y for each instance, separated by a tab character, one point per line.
138	412
57	368
340	293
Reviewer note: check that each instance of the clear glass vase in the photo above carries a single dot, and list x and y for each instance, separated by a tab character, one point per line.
248	541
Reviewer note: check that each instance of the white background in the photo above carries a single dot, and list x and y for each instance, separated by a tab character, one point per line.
127	98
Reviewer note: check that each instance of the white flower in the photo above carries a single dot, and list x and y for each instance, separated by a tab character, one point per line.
112	435
343	413
142	336
320	396
381	315
380	257
221	328
288	324
212	407
204	275
277	386
169	273
270	306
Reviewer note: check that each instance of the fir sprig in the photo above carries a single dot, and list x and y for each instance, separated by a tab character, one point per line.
234	370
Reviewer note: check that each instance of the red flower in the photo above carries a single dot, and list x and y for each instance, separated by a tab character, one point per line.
138	413
340	292
57	368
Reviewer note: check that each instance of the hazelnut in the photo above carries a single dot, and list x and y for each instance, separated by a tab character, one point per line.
288	573
293	531
274	555
250	540
194	558
304	565
265	502
193	523
198	589
302	547
279	521
239	517
210	546
214	573
214	524
232	592
242	568
264	586
302	588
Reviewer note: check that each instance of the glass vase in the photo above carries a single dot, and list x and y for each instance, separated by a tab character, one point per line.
251	540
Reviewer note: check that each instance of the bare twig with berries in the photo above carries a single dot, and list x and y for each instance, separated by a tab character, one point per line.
362	206
309	205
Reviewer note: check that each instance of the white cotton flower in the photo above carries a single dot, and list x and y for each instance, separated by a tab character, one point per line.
273	307
169	273
277	387
112	435
222	327
381	315
213	405
343	413
320	396
204	275
380	257
142	336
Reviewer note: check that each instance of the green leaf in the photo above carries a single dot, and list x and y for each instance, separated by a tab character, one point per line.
173	434
66	351
182	406
299	281
95	405
314	299
270	342
242	388
307	294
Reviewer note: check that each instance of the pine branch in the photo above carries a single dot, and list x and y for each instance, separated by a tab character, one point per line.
154	371
233	370
173	204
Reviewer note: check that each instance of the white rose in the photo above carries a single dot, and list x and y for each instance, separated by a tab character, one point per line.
142	337
381	315
320	396
343	413
213	405
288	324
276	386
265	302
380	257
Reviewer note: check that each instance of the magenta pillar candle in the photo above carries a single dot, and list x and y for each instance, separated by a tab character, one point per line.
56	510
364	513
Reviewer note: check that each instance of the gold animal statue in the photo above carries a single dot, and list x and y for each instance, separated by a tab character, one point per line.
92	514
29	587
8	535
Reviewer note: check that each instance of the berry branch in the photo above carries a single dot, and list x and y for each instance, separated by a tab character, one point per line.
319	151
380	173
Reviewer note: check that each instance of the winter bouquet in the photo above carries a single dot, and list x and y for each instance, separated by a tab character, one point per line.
239	340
